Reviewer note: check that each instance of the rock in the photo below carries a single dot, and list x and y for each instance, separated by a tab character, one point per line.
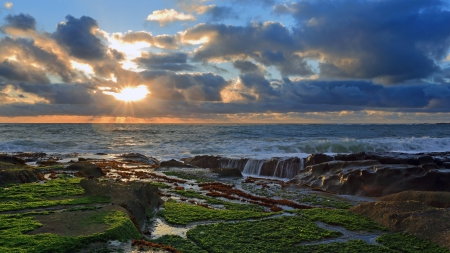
139	199
47	162
274	167
86	169
434	199
174	163
82	159
227	172
371	178
11	159
317	159
19	176
205	161
136	157
412	217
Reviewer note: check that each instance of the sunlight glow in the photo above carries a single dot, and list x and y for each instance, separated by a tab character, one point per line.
129	94
83	67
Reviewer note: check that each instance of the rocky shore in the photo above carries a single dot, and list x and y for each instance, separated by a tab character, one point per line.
362	202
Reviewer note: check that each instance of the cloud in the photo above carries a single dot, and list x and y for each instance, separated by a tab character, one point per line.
217	13
8	5
16	72
168	16
269	43
77	36
160	41
21	21
26	54
186	87
388	41
246	66
165	61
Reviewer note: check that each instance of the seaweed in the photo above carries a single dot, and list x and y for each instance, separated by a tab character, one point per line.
281	234
13	237
179	243
409	243
181	213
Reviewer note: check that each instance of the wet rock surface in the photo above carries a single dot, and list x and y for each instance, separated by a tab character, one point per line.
13	170
173	163
86	169
371	178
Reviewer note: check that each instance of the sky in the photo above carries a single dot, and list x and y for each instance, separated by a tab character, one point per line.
225	61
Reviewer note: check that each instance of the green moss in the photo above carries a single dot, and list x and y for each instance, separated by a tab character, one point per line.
180	213
187	176
19	205
13	167
344	218
179	243
314	200
409	243
13	237
160	185
52	193
214	201
269	235
51	167
342	247
38	191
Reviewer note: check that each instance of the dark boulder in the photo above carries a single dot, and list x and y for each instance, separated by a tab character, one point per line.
11	159
205	161
174	163
317	159
15	171
371	178
86	169
19	176
139	158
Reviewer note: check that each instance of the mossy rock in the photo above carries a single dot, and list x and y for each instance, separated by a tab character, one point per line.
18	173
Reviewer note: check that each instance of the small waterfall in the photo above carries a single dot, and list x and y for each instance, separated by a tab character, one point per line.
287	167
230	163
253	167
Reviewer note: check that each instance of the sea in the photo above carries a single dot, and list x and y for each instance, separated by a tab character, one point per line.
259	141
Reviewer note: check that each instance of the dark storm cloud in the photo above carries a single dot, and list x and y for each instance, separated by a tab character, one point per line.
189	87
269	43
59	93
27	52
367	95
21	21
260	85
173	61
217	13
226	41
15	72
391	41
246	66
76	35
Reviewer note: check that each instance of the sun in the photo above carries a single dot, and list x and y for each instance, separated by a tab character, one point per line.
130	94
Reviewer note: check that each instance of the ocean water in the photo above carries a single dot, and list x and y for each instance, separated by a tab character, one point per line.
229	140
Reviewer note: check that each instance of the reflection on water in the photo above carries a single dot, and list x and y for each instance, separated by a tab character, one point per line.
162	228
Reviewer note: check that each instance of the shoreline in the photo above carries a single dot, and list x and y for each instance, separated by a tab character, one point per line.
197	199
